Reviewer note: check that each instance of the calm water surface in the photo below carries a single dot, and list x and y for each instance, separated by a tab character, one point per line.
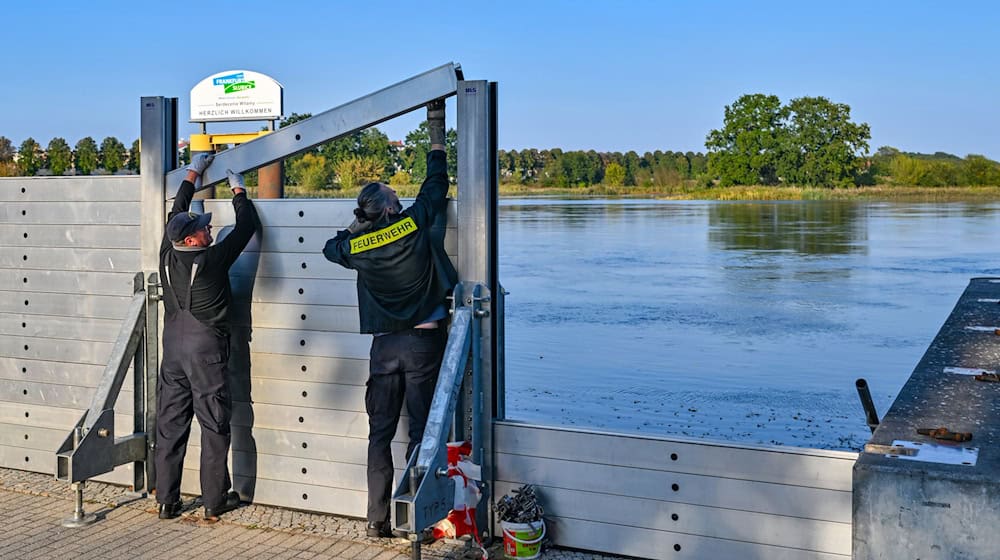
736	321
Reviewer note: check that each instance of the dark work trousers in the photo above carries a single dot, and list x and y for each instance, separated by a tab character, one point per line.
193	378
404	368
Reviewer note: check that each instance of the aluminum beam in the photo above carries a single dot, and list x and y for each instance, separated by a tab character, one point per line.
354	115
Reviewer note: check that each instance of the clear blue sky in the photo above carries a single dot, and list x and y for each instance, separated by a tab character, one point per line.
609	76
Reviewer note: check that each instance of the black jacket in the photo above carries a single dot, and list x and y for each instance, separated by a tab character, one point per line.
403	271
210	293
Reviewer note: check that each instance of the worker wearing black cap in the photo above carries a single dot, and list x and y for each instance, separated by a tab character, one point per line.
193	376
404	277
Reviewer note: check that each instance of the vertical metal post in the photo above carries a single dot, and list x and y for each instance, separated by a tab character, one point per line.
139	483
158	142
477	257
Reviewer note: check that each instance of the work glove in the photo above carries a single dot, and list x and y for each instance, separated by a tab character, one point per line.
435	121
200	163
235	181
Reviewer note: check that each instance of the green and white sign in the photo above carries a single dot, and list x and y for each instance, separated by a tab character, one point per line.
236	95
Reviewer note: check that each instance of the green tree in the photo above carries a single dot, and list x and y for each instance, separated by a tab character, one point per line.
354	171
59	157
6	150
614	174
85	156
112	156
823	145
747	149
310	170
29	158
134	158
978	170
415	148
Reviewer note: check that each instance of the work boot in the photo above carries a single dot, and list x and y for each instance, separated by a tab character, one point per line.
231	502
378	530
170	511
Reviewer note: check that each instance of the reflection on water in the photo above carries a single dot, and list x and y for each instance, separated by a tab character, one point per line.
812	228
736	321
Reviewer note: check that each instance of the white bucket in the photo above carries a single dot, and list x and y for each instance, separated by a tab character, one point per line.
522	541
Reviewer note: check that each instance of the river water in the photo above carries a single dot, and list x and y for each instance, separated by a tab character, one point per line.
734	321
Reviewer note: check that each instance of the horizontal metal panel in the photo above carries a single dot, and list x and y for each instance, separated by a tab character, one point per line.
59	396
289	444
68	306
111	213
62	373
49	326
336	213
77	237
55	350
711	491
301	239
312	369
324	499
311	343
289	265
45	462
57	189
48	439
92	260
660	545
319	421
67	282
308	317
290	469
298	290
675	517
310	395
48	416
784	465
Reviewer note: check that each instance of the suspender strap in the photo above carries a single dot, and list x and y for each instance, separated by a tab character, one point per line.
168	288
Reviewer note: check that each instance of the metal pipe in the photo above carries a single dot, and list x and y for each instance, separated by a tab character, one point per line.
871	415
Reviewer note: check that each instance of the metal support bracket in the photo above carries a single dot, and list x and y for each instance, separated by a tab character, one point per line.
425	492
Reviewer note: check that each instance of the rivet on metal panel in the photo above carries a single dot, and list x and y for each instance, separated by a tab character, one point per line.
305	445
301	420
301	291
23	190
25	257
305	394
303	265
25	279
25	235
26	414
25	302
305	496
677	547
675	487
301	213
25	391
301	239
25	436
25	346
303	367
304	470
24	212
27	459
303	316
302	342
674	516
24	325
298	137
673	456
24	370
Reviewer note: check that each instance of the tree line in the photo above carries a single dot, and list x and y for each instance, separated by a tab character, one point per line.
810	141
85	158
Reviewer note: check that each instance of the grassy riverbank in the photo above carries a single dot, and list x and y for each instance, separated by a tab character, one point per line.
876	192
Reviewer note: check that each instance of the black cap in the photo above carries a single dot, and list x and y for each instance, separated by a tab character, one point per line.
186	223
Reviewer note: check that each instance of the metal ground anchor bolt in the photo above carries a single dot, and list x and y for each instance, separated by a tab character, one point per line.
80	518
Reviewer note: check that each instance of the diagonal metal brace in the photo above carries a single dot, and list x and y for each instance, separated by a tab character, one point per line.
425	493
91	448
363	112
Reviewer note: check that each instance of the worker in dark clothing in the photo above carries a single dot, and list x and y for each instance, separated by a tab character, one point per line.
193	376
404	277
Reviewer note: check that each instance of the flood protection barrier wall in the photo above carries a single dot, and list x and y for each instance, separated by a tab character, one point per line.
69	249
